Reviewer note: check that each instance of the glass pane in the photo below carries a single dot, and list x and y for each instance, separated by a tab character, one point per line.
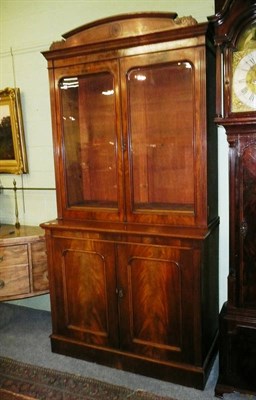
89	124
161	126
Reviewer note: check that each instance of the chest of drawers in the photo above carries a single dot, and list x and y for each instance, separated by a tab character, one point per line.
23	263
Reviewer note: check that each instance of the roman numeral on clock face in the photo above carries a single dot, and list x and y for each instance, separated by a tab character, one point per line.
244	80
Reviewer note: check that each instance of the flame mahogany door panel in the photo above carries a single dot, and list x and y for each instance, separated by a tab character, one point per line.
85	303
156	283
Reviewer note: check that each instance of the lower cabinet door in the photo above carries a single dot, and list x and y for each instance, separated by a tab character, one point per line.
140	299
159	302
85	301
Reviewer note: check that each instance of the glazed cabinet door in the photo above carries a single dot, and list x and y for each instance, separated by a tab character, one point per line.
87	135
164	96
83	281
158	301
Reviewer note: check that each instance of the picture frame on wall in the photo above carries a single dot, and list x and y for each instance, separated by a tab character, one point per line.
13	157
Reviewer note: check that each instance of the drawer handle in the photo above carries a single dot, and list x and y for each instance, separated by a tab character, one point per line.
2	284
1	258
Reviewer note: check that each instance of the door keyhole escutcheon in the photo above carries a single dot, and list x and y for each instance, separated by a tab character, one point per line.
120	293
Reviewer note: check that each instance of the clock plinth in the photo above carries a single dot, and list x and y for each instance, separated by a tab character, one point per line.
235	37
237	352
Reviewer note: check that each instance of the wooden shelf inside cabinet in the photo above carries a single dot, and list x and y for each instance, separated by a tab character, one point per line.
23	262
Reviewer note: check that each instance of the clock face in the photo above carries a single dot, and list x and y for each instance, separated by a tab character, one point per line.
244	81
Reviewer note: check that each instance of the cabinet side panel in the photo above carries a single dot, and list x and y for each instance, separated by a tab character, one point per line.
212	138
210	291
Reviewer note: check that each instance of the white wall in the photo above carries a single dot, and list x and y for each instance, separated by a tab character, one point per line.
29	27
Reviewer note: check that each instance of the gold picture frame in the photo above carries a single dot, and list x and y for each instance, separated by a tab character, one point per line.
13	157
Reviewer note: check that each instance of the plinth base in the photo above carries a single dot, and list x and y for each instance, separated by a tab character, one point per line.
237	365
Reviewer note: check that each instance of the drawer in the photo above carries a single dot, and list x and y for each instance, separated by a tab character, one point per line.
39	266
13	255
14	280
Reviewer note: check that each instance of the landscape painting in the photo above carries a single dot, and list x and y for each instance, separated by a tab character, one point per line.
6	139
13	158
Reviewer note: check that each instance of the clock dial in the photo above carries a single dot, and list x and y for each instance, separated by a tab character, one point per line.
244	82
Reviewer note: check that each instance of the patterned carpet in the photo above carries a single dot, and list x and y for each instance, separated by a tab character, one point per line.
19	381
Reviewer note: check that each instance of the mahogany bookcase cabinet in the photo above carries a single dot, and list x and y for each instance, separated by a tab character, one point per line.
133	254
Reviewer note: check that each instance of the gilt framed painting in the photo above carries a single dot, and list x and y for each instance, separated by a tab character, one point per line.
13	158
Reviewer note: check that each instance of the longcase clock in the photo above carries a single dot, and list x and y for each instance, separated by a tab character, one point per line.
235	37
